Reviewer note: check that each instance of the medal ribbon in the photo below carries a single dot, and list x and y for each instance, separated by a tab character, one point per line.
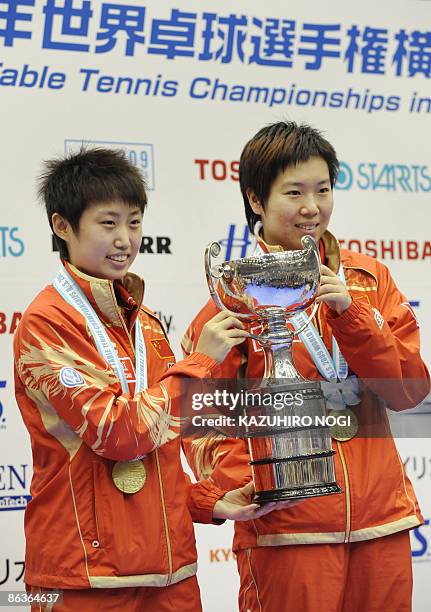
73	295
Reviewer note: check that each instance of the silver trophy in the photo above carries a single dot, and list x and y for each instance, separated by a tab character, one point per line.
288	462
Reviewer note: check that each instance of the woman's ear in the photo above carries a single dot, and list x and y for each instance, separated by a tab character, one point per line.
254	202
61	227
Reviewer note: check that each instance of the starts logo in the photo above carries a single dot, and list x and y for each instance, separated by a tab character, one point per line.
14	487
420	541
371	176
10	243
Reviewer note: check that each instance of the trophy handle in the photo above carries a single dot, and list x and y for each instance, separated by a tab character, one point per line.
313	313
309	243
212	250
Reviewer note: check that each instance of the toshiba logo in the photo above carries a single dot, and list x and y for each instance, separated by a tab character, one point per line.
217	170
390	249
9	322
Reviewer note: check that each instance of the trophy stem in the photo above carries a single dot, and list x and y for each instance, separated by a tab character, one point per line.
277	345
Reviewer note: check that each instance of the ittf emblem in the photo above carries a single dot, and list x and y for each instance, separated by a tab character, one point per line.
71	378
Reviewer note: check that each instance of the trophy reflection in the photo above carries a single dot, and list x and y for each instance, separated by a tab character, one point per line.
288	462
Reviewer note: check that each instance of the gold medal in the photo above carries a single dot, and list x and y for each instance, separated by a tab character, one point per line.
342	432
129	476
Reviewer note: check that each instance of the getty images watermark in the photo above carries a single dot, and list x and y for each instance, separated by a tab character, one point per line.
240	407
242	403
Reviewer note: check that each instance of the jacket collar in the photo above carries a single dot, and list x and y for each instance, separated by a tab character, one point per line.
328	247
101	293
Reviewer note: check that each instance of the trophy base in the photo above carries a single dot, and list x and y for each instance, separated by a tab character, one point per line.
265	497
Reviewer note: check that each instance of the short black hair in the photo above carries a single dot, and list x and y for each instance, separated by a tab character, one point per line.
69	184
271	151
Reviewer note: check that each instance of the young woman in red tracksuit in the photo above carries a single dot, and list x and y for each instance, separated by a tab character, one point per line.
351	551
109	524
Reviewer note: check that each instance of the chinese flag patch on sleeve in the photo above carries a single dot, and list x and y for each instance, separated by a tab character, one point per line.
162	348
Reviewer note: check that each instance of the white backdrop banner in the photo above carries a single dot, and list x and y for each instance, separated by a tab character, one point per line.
181	87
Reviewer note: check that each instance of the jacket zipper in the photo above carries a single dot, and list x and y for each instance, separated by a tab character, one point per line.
122	320
159	472
165	518
347	492
343	462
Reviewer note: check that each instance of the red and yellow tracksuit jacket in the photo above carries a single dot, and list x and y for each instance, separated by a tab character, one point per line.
81	531
379	338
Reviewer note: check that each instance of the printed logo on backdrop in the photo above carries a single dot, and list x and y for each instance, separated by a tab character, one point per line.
14	487
239	242
217	169
395	250
2	410
220	38
373	176
150	245
421	543
166	320
221	555
366	176
11	245
9	322
12	571
418	467
140	154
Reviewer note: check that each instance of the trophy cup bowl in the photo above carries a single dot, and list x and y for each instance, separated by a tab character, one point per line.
288	462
